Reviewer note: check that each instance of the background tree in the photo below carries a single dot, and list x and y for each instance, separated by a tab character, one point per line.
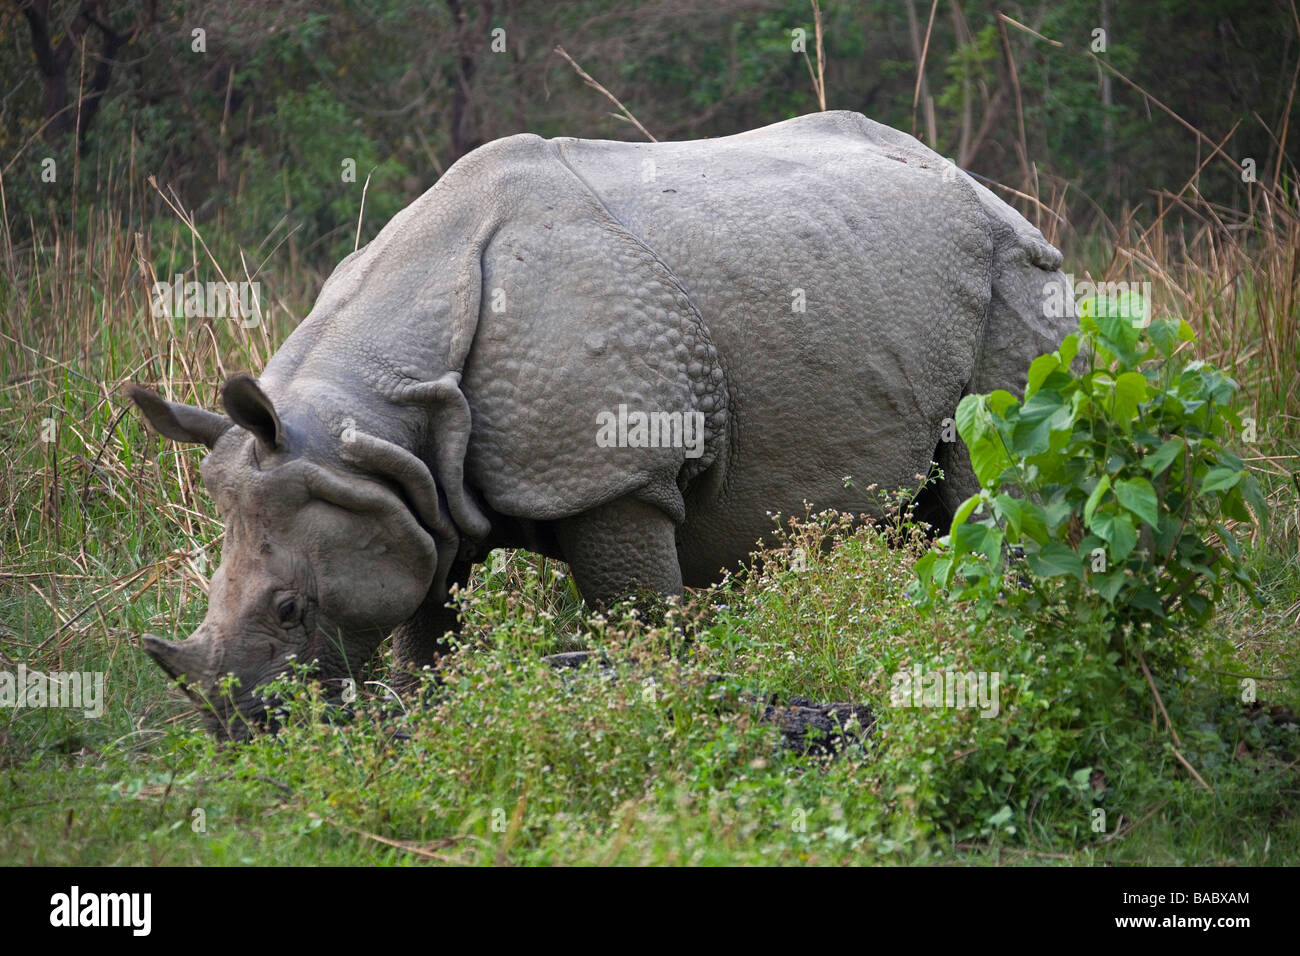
1098	102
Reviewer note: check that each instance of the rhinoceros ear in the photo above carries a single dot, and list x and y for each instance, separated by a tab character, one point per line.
176	421
248	405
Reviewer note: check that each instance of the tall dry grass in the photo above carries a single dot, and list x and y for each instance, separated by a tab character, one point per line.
104	528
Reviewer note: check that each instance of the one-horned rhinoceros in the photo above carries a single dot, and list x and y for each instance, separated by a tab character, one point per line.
622	355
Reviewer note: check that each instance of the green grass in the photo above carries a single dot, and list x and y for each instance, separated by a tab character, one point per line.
651	760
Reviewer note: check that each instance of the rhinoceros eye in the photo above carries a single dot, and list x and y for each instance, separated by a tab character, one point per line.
289	610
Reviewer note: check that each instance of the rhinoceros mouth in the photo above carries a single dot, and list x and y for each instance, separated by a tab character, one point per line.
241	723
236	720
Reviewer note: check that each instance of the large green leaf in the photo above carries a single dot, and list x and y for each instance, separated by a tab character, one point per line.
1233	505
1010	509
1137	495
1033	521
1095	498
965	510
1130	391
974	417
978	539
1055	560
1039	369
999	400
1068	350
1108	585
1045	412
1229	540
1167	333
1118	532
1056	513
1219	479
1164	456
1255	497
1164	333
1149	601
1120	320
924	568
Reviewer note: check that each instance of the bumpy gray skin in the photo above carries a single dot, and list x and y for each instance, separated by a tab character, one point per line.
441	399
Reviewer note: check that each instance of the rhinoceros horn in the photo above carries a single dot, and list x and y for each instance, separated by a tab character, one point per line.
186	661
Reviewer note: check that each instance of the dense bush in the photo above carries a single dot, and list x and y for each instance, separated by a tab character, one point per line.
1117	482
1113	479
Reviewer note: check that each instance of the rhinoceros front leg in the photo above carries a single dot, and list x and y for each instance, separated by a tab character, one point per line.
621	549
421	639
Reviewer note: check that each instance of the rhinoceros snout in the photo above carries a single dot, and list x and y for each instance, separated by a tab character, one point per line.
231	714
188	663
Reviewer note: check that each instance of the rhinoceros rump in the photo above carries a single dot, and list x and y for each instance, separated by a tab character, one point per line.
817	295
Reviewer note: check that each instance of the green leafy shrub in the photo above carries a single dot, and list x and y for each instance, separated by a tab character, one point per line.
1104	534
1115	482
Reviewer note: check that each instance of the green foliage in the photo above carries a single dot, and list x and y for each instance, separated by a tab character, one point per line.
299	186
275	102
652	752
1114	478
1114	481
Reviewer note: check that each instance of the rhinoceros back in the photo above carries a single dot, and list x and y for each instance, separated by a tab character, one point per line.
843	272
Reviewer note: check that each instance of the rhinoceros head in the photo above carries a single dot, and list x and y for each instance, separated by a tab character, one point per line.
323	554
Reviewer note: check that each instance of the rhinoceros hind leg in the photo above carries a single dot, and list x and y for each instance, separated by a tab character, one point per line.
959	481
619	550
